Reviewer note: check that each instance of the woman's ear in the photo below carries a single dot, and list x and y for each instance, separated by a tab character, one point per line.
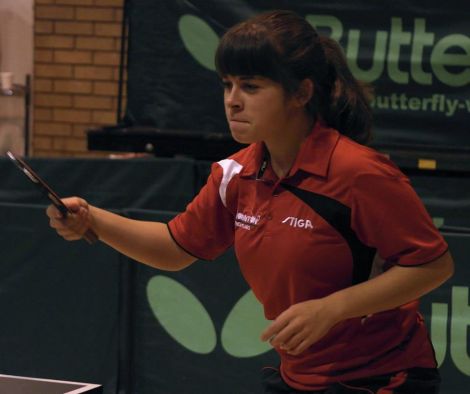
304	92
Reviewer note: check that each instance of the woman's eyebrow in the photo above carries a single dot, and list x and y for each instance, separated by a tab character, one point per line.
243	78
246	77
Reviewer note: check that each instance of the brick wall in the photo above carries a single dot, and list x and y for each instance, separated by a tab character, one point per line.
76	72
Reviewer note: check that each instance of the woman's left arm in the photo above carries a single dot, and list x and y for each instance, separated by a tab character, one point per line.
303	324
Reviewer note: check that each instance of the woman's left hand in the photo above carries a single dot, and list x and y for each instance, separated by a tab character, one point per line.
303	324
300	326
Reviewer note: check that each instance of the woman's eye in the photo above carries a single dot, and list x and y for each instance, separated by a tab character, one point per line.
226	85
250	87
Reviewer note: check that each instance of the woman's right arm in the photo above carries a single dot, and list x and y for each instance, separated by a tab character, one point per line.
147	242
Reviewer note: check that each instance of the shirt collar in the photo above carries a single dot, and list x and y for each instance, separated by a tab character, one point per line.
314	155
259	155
316	150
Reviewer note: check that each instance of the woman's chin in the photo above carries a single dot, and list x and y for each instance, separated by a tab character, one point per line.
241	138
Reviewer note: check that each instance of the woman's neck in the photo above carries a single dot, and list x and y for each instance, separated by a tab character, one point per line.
283	149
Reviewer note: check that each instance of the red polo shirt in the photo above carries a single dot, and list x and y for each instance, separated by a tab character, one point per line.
344	213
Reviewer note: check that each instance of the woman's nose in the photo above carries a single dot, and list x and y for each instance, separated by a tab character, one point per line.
232	98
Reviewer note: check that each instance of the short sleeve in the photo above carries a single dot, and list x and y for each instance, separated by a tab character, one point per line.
205	228
388	215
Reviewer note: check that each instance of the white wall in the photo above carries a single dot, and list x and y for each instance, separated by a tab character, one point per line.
16	38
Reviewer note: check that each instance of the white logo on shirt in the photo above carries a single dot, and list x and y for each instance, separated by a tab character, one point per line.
246	221
296	222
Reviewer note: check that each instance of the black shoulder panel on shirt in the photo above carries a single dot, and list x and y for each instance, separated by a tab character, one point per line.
338	216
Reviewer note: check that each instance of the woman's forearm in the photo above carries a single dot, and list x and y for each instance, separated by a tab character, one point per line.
397	286
147	242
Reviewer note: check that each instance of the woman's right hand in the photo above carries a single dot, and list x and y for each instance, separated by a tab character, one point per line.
77	222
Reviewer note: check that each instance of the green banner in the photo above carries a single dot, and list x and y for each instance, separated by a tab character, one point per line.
415	55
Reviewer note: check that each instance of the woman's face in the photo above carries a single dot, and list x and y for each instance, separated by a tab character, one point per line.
257	108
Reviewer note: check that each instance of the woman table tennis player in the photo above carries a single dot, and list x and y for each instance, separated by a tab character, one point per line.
328	233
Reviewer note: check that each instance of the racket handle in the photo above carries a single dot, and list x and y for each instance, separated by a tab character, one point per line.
90	236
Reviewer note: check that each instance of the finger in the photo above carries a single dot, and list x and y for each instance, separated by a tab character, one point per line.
74	203
272	330
53	213
55	223
285	336
70	228
293	342
268	333
76	223
71	237
68	234
60	223
300	348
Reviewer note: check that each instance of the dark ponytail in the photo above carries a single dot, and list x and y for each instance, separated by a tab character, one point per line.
284	47
342	100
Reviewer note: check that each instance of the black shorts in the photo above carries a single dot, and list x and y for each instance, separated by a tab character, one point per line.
411	381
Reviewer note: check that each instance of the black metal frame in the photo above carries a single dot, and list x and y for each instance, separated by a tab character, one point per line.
122	58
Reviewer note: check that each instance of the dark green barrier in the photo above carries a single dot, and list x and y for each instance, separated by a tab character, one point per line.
447	314
60	302
146	183
76	312
446	196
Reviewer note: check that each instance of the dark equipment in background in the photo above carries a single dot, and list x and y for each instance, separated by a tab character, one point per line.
163	143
